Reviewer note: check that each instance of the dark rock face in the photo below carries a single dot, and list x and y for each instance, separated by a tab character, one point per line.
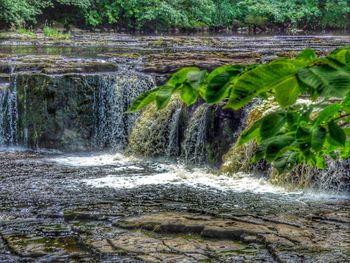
56	112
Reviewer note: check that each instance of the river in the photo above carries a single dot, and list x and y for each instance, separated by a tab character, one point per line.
71	190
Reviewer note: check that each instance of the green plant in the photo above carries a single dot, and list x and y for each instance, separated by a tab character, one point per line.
313	94
54	33
25	31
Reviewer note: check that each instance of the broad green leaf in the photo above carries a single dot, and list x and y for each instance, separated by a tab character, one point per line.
342	55
216	87
250	133
272	124
188	94
179	77
345	152
303	136
327	114
286	162
164	96
308	55
143	100
346	101
287	92
320	162
318	137
337	134
276	144
325	81
196	78
259	80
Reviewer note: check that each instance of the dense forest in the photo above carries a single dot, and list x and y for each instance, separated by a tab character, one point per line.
165	15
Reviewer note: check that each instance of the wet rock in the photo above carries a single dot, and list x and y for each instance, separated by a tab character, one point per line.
152	223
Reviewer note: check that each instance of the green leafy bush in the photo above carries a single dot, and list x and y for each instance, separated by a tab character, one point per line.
183	14
312	122
54	33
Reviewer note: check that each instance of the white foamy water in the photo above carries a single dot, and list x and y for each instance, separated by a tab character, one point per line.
91	160
128	173
194	178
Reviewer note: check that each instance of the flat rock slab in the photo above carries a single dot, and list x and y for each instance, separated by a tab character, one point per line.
283	241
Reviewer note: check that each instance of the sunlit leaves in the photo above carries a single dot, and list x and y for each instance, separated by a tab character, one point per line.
259	80
307	55
164	95
326	81
219	82
287	92
181	76
143	100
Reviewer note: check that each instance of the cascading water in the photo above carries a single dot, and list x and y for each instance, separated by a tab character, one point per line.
71	111
195	140
2	105
115	94
174	141
157	132
8	111
12	112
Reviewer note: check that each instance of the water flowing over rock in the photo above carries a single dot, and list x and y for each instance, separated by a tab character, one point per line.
115	95
196	136
2	105
200	134
159	132
8	113
71	111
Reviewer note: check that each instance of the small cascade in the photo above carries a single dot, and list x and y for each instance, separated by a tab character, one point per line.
174	141
194	146
2	117
336	177
158	132
8	111
12	112
114	96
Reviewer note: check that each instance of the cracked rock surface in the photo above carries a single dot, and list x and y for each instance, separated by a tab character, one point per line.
48	214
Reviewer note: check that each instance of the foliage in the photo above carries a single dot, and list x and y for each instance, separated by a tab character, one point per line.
313	94
182	14
25	31
54	33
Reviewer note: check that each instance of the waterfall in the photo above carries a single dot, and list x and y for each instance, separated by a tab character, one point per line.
157	132
2	119
174	141
8	112
194	146
71	112
114	96
12	112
